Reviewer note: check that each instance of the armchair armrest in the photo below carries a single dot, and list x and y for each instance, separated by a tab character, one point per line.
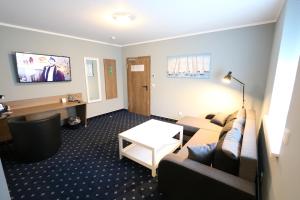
186	179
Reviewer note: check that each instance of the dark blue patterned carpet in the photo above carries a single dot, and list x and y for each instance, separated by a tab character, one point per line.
87	166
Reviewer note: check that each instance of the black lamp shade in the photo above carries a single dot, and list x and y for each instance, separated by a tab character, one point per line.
228	76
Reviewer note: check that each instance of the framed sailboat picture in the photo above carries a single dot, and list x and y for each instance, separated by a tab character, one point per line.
190	66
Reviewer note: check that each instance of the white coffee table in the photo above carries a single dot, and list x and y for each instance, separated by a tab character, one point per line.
150	142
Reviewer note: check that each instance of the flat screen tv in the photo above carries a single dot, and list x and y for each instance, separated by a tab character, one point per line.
42	68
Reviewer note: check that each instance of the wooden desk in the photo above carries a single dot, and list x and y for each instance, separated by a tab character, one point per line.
48	106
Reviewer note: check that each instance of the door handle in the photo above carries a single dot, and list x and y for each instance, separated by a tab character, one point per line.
145	86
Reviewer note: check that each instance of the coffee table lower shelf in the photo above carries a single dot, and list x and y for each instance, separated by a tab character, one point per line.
149	157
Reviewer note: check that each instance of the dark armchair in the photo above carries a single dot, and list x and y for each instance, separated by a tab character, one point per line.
35	140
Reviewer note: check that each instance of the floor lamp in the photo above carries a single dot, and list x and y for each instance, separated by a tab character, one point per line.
228	78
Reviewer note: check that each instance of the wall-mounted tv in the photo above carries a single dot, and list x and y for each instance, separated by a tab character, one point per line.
42	68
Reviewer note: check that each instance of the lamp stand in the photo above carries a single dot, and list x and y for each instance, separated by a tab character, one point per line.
243	84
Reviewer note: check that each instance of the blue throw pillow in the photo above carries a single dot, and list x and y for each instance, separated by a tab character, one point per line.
203	153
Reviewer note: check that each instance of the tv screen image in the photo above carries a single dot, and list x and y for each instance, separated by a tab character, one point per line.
42	68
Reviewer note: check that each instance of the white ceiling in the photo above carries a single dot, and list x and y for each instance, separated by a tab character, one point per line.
155	19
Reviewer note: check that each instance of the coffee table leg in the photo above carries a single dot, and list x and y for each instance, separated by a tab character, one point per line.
120	147
153	169
181	138
153	173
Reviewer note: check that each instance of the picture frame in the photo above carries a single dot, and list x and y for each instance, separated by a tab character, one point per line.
196	66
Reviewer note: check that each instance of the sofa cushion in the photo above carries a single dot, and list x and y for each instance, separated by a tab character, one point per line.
233	124
202	153
248	157
219	119
201	137
241	113
189	130
232	116
193	124
241	116
224	162
226	128
238	125
232	143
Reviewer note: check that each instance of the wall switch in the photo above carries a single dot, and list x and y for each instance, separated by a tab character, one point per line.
180	113
153	85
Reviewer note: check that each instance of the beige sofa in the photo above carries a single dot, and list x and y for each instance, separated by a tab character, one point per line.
182	178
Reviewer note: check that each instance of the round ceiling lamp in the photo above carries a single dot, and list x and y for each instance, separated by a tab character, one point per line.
123	17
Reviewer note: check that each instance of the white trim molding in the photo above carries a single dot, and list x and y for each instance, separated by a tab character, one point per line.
57	34
200	33
136	43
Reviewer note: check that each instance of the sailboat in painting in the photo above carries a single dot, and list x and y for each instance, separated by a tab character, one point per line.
192	66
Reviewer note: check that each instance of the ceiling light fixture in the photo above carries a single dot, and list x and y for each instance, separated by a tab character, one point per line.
123	17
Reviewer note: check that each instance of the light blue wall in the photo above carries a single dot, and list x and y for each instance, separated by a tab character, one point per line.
244	51
281	175
12	40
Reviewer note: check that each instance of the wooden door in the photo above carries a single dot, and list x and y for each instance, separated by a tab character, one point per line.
138	85
110	78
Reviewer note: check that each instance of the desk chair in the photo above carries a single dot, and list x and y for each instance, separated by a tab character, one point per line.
37	139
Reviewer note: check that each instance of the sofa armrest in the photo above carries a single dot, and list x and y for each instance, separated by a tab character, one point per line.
186	179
